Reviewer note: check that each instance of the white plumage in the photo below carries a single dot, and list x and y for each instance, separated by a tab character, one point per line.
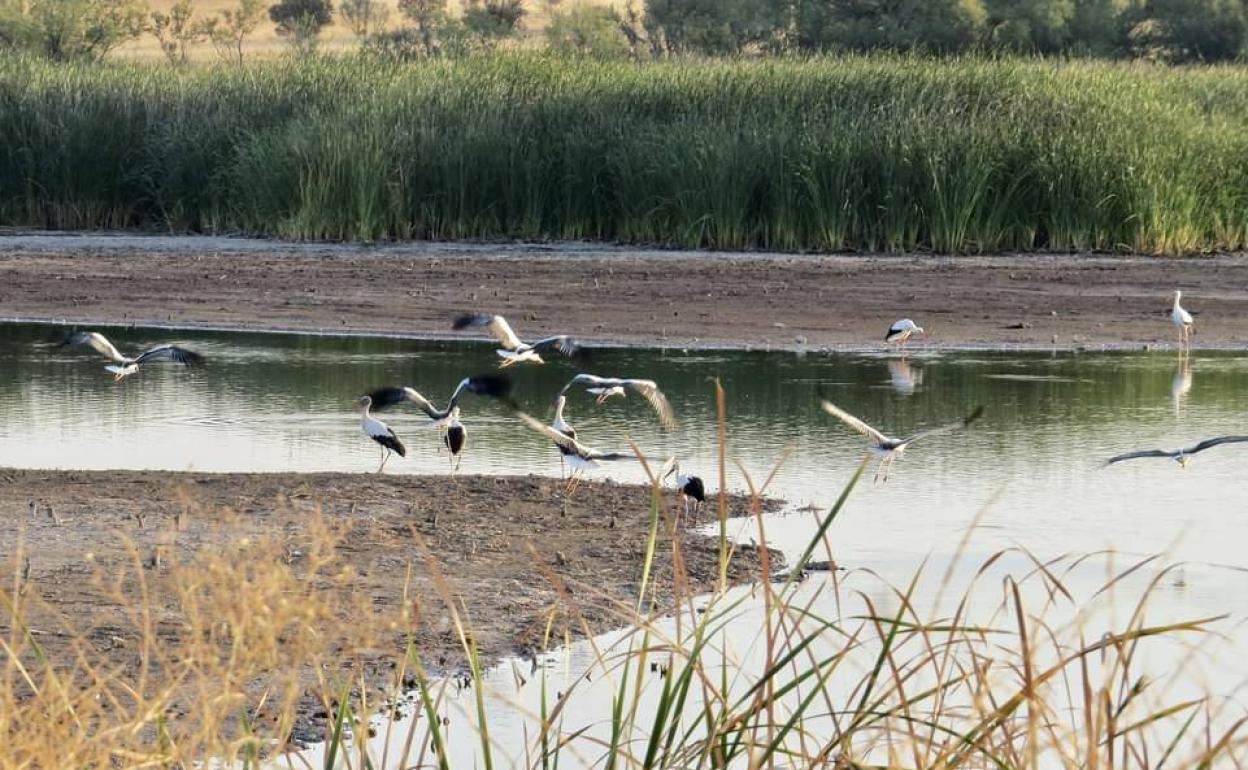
577	455
606	387
380	432
123	365
903	330
514	350
1182	321
888	448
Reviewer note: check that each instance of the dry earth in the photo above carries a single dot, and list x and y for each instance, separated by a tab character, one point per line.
611	295
85	540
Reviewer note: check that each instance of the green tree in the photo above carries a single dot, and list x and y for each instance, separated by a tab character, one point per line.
430	21
69	30
860	25
588	30
492	20
711	26
1096	28
1187	30
176	31
364	17
1029	25
301	22
231	28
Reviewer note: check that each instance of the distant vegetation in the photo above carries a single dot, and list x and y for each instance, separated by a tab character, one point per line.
1154	30
876	153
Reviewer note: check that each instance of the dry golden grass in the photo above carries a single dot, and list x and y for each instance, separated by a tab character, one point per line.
1026	682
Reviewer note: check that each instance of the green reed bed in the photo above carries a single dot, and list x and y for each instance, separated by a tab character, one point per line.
858	153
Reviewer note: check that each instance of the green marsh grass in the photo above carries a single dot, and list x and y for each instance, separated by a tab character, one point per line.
845	671
877	153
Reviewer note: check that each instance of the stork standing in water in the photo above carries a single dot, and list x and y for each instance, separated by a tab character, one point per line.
125	365
692	490
514	350
901	331
455	438
888	448
563	426
606	387
579	456
1181	456
454	434
380	432
1182	321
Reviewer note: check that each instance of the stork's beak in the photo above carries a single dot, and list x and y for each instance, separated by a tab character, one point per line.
1183	461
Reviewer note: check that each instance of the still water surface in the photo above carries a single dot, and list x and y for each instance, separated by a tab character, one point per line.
1028	474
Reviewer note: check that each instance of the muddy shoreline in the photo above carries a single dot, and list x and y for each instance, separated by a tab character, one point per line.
610	295
509	548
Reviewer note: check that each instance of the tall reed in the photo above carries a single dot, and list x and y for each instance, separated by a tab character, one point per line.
879	153
845	671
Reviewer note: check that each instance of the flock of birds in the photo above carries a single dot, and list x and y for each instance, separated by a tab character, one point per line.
574	454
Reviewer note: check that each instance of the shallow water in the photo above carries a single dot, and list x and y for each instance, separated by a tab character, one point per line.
1027	476
269	402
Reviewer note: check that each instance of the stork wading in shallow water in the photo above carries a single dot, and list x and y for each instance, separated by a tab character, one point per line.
606	387
577	455
564	427
514	350
454	434
1181	456
1182	321
455	437
901	331
692	490
380	432
888	448
125	366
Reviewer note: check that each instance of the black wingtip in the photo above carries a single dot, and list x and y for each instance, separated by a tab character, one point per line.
383	398
493	385
464	320
973	416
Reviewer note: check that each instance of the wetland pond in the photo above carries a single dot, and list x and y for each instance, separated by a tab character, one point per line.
1028	476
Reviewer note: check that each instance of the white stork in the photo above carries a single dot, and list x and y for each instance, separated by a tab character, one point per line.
380	432
455	435
692	490
888	448
563	426
903	330
125	365
1181	456
579	456
514	350
606	387
455	438
1183	322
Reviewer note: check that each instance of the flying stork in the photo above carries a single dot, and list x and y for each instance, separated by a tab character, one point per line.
888	448
579	456
125	366
606	387
1181	456
514	350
